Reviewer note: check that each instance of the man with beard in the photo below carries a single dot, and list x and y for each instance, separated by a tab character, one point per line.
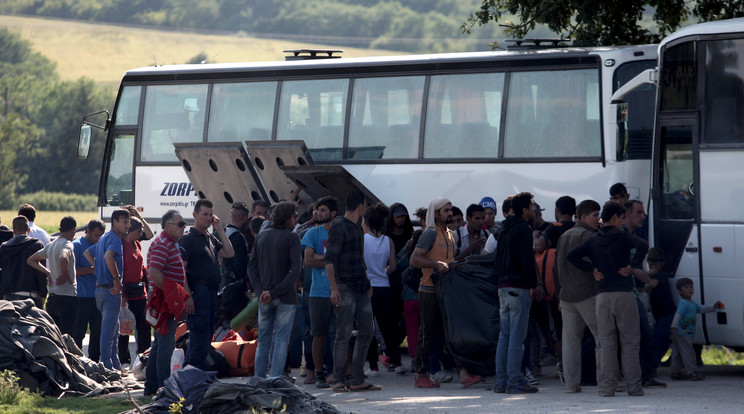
319	299
434	251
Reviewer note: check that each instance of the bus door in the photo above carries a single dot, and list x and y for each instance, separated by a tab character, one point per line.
675	206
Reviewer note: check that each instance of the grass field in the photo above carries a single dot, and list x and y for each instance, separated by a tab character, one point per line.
49	220
104	52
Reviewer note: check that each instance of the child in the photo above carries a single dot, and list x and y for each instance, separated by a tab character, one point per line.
683	330
662	305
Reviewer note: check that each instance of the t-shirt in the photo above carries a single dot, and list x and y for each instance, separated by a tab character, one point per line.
86	284
316	238
688	311
165	256
52	252
376	255
440	246
134	267
109	241
199	251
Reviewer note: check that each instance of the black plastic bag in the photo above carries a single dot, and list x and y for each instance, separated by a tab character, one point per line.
469	300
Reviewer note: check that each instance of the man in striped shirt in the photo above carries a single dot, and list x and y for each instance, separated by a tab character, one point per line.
165	266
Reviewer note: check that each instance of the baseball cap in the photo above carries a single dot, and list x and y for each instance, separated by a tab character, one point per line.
487	202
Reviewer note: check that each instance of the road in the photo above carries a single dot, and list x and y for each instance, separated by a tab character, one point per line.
722	392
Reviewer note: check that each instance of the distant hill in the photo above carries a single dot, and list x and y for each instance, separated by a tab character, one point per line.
412	25
103	52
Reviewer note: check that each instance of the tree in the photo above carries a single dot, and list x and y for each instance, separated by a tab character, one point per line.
17	136
600	22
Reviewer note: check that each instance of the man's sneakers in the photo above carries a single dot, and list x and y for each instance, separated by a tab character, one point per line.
530	378
499	388
471	380
440	377
522	387
399	369
372	372
652	383
425	382
321	380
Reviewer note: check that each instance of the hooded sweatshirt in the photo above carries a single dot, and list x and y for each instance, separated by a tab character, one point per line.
609	251
17	276
515	258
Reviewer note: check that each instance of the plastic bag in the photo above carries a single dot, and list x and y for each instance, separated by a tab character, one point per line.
126	321
139	365
177	359
468	297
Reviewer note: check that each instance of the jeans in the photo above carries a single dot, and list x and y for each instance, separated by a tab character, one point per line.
355	307
275	321
109	306
201	326
514	315
88	313
660	338
307	338
576	317
158	363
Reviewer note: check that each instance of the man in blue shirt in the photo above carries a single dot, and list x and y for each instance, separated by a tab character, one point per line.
87	312
107	259
319	302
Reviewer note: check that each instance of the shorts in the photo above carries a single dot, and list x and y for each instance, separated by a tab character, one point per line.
321	312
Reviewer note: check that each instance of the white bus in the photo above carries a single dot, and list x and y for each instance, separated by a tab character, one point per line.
697	189
405	129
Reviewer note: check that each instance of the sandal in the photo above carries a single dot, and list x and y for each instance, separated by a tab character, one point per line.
309	380
366	387
340	387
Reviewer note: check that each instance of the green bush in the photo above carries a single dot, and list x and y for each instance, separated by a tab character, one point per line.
51	201
10	391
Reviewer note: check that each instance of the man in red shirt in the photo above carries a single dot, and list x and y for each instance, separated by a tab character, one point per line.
165	270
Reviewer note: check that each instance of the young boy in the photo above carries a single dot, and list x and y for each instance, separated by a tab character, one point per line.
662	305
683	331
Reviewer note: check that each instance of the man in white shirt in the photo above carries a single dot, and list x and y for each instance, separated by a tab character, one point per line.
28	211
62	302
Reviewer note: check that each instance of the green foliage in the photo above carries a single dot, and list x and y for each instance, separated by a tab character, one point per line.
199	58
54	201
10	391
40	122
600	22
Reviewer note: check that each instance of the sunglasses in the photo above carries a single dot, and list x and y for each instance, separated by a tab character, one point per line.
179	224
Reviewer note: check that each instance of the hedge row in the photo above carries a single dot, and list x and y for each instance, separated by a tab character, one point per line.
52	201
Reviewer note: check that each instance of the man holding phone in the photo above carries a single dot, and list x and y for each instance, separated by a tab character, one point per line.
200	250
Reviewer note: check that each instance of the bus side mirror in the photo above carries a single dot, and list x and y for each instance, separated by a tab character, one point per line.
84	142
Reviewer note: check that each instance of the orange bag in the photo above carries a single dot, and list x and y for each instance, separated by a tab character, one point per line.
545	262
240	355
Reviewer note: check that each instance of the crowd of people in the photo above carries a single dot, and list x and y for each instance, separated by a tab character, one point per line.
571	288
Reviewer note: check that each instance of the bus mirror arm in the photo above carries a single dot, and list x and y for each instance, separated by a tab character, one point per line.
105	126
648	76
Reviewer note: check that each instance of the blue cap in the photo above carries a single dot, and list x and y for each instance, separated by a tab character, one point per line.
487	202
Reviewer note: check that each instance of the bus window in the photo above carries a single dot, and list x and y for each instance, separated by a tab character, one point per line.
634	141
386	117
173	113
313	111
676	175
679	77
553	114
724	92
241	111
463	116
120	178
128	109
